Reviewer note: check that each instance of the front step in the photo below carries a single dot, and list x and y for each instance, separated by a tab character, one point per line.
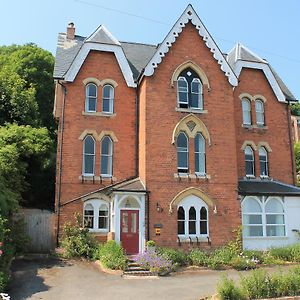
134	269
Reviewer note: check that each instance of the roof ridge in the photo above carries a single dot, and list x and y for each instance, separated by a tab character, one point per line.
138	43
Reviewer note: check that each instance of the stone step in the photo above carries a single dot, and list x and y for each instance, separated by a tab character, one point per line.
138	273
135	268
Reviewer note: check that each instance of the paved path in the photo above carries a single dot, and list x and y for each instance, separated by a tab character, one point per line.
63	280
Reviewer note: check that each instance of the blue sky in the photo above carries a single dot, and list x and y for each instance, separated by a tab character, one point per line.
269	28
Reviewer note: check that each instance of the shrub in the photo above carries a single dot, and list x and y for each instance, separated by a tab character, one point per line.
241	263
228	291
283	253
177	257
77	241
150	243
154	262
198	258
3	281
296	252
221	257
254	255
111	255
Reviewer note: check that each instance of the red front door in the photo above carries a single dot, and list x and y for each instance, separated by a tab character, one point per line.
130	231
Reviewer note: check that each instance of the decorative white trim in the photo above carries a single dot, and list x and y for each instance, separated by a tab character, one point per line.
189	14
91	38
268	73
83	53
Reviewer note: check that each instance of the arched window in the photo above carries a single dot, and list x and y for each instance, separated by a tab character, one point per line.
263	162
96	215
180	220
108	99
260	113
189	90
246	107
88	155
249	161
275	223
106	156
182	153
91	97
192	217
252	218
88	216
199	154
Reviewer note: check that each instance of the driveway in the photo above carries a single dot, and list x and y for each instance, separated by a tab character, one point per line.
81	280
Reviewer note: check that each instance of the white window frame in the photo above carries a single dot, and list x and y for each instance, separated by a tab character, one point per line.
197	203
88	97
253	161
110	99
181	150
186	91
265	154
263	202
260	113
246	109
88	154
97	203
108	156
200	94
200	154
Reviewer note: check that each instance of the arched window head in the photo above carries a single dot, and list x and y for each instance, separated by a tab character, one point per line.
246	107
260	112
103	217
263	162
275	222
91	97
88	216
199	154
106	156
108	99
182	153
180	220
88	156
192	220
189	90
249	161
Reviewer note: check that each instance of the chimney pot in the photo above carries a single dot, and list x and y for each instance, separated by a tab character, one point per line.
71	31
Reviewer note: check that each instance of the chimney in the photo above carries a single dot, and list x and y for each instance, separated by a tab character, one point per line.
71	31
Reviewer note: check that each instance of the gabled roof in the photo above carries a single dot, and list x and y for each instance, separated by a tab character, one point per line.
190	15
241	57
134	185
266	187
103	36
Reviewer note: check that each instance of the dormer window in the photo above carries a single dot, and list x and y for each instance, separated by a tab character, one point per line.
189	90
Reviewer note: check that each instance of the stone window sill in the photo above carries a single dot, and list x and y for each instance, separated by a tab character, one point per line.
254	127
191	176
85	178
98	114
191	110
185	239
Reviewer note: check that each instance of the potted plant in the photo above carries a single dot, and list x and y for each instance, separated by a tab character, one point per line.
150	246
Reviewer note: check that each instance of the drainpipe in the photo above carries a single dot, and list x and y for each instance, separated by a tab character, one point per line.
291	142
60	159
137	126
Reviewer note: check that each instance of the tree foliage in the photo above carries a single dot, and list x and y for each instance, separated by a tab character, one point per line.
297	156
295	109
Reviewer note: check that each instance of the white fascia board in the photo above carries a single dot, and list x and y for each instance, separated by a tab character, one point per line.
268	73
190	15
83	53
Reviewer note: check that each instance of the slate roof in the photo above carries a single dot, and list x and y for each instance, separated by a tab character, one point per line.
266	187
134	185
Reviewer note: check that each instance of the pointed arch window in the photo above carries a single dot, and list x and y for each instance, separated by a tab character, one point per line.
203	220
260	112
199	154
88	216
108	94
246	107
192	220
88	156
91	97
263	162
182	153
249	161
180	220
189	90
106	156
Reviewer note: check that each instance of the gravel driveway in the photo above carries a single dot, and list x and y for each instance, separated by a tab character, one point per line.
51	278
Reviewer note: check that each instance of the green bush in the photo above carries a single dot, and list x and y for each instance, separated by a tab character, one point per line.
241	263
255	255
228	291
221	257
111	255
3	281
283	253
77	241
177	257
198	258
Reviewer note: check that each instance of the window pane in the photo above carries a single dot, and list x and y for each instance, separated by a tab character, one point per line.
92	90
106	105
89	145
180	228
104	164
203	227
88	216
249	168
275	219
195	100
195	86
250	205
182	140
182	160
246	107
89	164
125	222
182	90
180	213
103	222
91	104
275	230
108	91
253	231
252	219
192	213
133	222
263	168
274	206
105	145
203	213
192	227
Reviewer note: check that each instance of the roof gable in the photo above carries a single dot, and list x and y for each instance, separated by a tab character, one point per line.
189	15
103	36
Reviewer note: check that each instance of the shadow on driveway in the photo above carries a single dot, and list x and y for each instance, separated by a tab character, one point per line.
26	280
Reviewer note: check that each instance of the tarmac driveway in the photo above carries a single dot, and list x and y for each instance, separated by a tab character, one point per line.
51	278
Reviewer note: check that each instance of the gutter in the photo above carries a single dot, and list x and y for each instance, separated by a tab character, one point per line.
62	122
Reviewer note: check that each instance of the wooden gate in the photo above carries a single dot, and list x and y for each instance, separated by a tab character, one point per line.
39	226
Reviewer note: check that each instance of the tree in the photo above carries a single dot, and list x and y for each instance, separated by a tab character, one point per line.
297	156
295	109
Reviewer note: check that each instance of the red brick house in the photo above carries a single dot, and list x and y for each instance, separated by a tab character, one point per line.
176	142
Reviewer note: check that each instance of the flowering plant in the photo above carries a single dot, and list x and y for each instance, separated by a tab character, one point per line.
154	262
